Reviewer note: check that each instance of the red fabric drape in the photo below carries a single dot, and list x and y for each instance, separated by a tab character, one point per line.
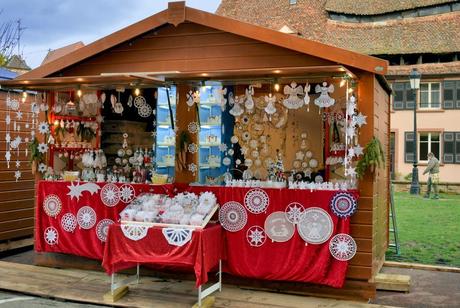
202	252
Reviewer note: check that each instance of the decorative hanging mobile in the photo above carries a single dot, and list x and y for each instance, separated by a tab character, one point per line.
324	100
295	96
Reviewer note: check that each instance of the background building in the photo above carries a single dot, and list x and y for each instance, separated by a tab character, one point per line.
422	34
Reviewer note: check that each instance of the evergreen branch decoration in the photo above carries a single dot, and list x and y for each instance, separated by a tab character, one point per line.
35	155
373	157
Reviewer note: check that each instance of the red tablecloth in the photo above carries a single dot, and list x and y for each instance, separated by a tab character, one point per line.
202	252
80	242
291	260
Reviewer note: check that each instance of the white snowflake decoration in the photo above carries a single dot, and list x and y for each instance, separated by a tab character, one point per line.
86	217
192	148
42	148
102	229
43	128
256	236
350	171
8	158
193	127
358	150
110	194
51	236
134	232
19	115
256	201
360	119
127	193
41	168
17	175
8	119
223	147
294	212
342	247
76	191
192	167
177	237
69	222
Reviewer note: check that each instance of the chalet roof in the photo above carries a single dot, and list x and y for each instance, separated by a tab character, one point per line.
17	62
452	68
178	13
429	34
59	52
375	7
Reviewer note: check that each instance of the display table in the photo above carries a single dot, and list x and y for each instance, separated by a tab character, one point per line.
57	226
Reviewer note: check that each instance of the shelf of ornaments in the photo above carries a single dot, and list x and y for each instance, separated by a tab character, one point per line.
166	145
209	145
206	166
72	149
74	118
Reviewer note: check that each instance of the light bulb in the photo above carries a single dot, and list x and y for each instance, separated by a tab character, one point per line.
137	92
342	83
277	87
350	90
79	93
24	95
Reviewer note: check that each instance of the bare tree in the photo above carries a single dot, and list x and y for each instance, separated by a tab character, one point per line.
10	33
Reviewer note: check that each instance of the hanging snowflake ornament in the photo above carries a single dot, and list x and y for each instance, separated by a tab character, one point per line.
86	217
110	194
41	168
256	236
343	204
256	201
144	111
324	100
342	247
192	167
350	171
127	193
193	127
177	237
42	148
69	222
233	216
17	175
51	236
351	105
43	128
102	229
360	119
8	119
134	232
316	226
19	115
278	228
192	148
52	205
294	212
223	147
351	152
358	150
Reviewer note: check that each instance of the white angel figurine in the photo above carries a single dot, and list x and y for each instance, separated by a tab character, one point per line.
237	110
306	98
249	101
295	94
220	94
324	100
270	108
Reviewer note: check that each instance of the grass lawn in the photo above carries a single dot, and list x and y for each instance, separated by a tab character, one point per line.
429	230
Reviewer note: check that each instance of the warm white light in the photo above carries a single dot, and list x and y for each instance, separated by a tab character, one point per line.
350	90
342	83
277	87
24	94
137	92
276	71
79	93
204	74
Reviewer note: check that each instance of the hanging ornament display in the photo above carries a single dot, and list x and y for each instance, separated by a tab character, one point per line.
226	161
324	100
193	127
42	148
139	101
51	236
110	194
256	236
316	226
306	98
342	247
221	100
270	109
102	229
278	228
86	217
69	222
134	232
177	237
52	205
343	204
256	201
294	212
127	193
192	167
294	94
223	147
41	168
236	110
248	100
76	190
43	128
145	111
192	148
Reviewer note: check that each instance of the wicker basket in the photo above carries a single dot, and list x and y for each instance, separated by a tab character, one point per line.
159	178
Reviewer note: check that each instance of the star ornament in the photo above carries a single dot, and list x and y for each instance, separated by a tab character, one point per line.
358	150
351	171
351	152
19	115
351	108
360	119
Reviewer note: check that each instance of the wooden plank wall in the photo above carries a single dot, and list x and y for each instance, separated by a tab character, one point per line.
190	47
16	198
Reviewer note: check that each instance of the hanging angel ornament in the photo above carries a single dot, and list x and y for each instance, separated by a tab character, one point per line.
306	98
237	110
294	94
249	101
270	108
324	100
220	94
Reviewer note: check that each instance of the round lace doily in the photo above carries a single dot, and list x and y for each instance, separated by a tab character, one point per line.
69	222
343	204
256	236
52	205
256	201
342	247
110	194
51	236
86	217
278	228
316	226
233	216
102	229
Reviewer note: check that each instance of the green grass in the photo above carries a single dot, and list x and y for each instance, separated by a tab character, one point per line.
429	230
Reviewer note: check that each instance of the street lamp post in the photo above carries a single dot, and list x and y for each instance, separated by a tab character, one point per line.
414	78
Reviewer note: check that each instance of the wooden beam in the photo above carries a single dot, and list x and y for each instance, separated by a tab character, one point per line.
10	245
422	266
176	12
392	282
112	297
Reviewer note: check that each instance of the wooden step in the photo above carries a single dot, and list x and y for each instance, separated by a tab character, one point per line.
392	282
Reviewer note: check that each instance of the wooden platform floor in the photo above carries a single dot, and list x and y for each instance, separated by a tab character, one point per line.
90	286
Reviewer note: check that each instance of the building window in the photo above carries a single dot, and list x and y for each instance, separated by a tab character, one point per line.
403	96
429	142
292	2
451	99
430	95
451	148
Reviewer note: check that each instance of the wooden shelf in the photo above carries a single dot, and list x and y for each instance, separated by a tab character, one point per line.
74	118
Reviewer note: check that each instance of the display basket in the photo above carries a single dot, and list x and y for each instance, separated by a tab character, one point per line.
159	179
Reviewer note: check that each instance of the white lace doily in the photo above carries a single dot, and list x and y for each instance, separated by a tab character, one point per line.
294	212
51	236
69	222
127	193
256	236
316	226
139	101
102	229
343	204
193	127
278	228
86	217
233	216
52	205
134	232
342	247
145	111
110	194
256	201
176	236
